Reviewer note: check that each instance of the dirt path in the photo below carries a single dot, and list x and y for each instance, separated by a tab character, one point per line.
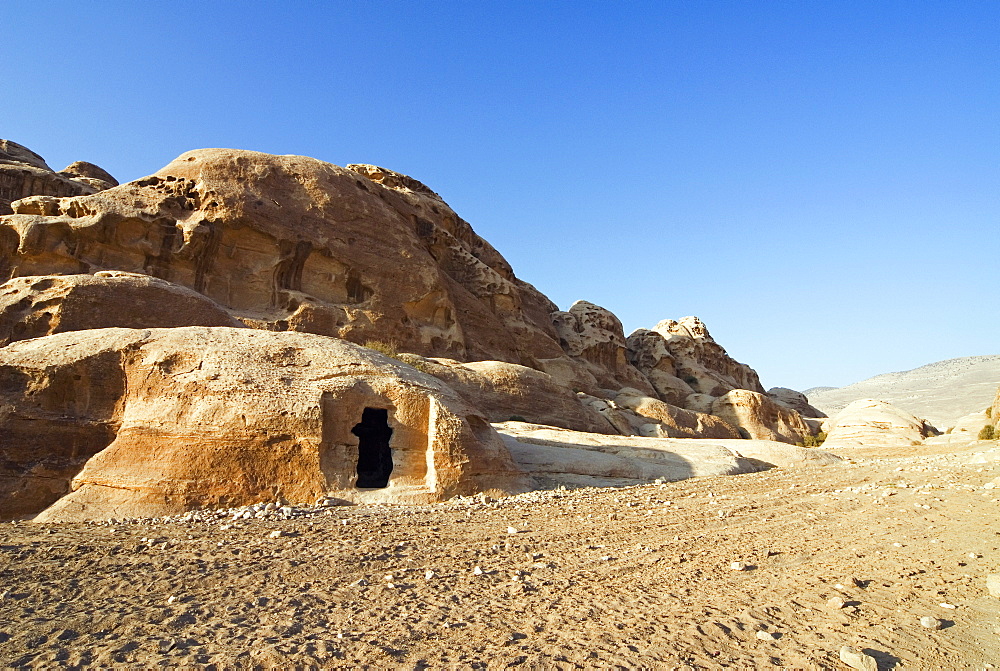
628	578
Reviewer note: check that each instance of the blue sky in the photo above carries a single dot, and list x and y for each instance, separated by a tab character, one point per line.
817	181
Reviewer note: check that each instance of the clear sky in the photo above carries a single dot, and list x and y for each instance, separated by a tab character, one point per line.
818	181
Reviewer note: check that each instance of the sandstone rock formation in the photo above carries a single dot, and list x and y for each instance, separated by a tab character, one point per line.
227	239
872	423
794	400
507	391
760	416
166	420
32	307
571	458
24	173
359	253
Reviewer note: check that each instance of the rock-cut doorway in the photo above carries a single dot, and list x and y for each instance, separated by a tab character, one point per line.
374	454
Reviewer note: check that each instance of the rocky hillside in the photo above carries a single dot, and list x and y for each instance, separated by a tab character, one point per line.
939	392
187	264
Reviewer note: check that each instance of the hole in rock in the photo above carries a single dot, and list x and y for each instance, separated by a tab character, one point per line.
374	455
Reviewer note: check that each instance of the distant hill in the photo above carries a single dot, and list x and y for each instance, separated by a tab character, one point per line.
939	392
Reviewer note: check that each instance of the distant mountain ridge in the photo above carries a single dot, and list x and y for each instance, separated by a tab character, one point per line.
940	392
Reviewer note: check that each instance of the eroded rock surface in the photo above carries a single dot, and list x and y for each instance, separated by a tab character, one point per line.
760	416
36	306
24	173
870	422
794	400
125	422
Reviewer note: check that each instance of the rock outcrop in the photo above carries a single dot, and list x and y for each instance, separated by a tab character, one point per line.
871	423
760	416
24	173
142	391
32	307
125	422
560	457
507	391
794	400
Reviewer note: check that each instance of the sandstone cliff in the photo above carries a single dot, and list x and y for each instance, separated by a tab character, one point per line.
144	391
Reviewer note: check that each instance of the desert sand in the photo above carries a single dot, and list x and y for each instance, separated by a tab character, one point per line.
737	571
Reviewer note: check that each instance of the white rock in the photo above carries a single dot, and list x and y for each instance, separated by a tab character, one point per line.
477	571
766	636
929	622
993	584
856	659
836	603
511	530
738	566
277	533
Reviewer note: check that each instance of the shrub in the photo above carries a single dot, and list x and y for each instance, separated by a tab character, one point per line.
813	441
987	433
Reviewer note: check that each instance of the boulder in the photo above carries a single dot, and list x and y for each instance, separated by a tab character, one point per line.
869	422
36	306
125	423
794	400
761	417
24	173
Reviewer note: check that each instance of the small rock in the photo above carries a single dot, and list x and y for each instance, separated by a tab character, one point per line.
477	571
856	659
277	533
766	636
171	599
928	622
511	530
429	574
836	603
738	566
993	584
360	582
949	606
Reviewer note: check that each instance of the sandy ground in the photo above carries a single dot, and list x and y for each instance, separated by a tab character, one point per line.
597	578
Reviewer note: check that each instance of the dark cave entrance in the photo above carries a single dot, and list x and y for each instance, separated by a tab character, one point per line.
374	455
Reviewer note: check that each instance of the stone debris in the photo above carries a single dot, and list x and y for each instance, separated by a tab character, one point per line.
766	636
856	659
928	622
836	603
993	584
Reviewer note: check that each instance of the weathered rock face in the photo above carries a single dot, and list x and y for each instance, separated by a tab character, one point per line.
794	400
152	422
593	336
289	242
32	307
506	391
868	422
24	173
680	358
703	363
674	422
760	416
